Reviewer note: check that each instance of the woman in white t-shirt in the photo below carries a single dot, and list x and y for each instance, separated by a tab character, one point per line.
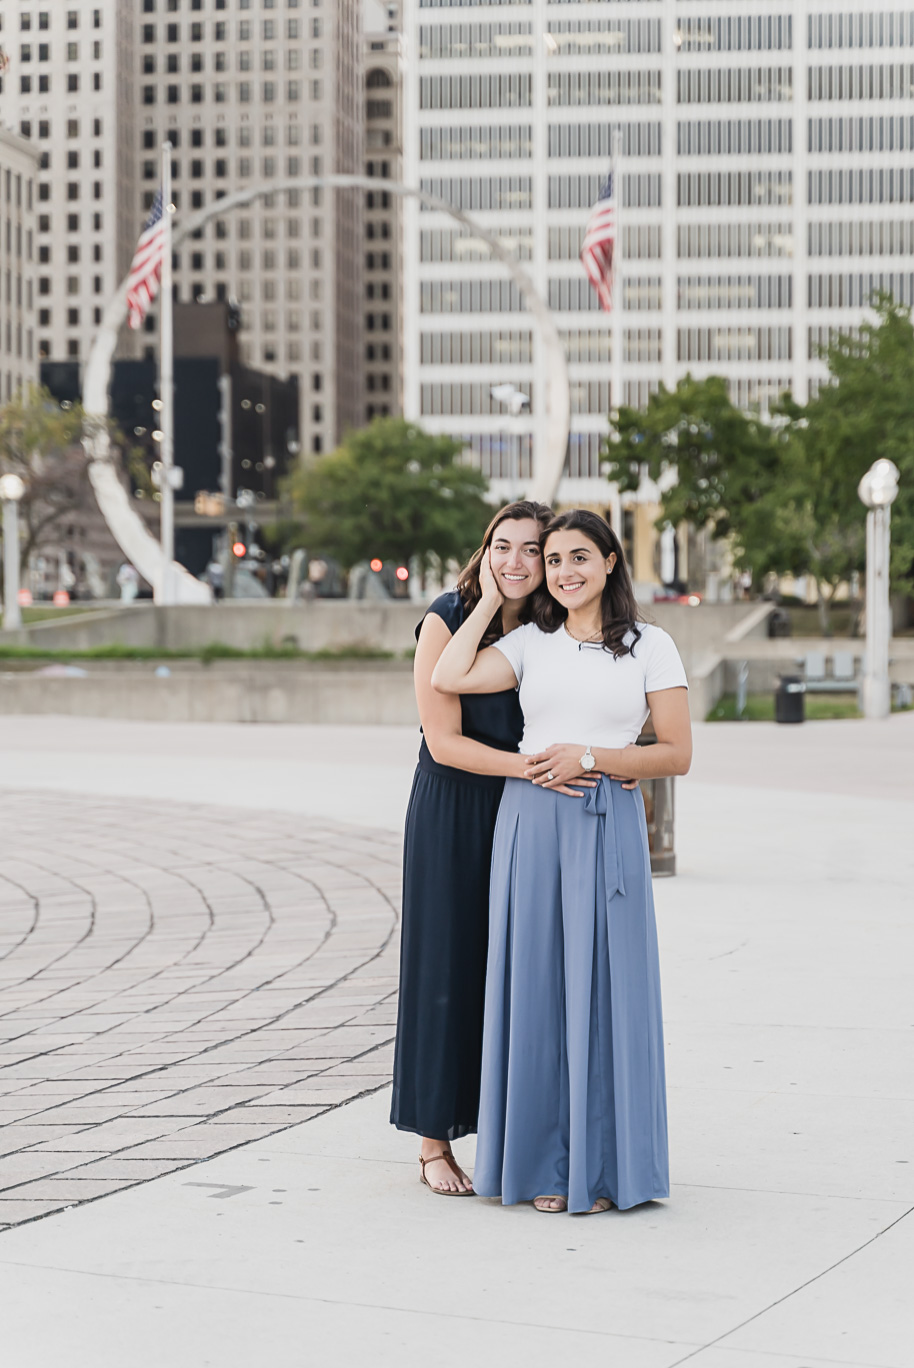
573	1105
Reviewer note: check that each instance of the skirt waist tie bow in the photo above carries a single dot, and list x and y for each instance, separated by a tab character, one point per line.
600	802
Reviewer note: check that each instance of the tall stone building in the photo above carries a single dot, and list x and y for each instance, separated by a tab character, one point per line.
70	90
767	176
18	177
383	110
259	93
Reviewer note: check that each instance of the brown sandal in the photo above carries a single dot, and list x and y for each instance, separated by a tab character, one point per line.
452	1164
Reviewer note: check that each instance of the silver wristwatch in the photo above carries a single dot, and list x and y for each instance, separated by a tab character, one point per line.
587	759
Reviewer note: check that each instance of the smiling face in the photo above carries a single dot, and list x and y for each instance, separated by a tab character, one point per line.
515	557
576	569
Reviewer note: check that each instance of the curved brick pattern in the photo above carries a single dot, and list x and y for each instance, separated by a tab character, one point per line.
176	981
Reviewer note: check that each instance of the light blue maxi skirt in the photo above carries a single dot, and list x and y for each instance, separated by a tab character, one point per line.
573	1097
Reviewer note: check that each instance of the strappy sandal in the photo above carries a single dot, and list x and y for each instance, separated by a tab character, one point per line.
452	1164
551	1197
601	1204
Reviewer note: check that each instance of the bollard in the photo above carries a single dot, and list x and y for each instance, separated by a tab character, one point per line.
659	811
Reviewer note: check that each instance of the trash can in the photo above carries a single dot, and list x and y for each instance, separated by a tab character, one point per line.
790	699
659	811
779	623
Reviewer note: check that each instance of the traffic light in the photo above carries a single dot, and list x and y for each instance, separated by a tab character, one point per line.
237	540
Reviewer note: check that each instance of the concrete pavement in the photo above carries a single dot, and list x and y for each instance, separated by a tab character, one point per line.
786	942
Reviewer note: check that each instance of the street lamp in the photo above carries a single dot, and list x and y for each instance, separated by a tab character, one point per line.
877	490
515	401
12	488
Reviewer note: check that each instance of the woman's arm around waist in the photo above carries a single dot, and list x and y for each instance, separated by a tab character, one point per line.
670	754
441	723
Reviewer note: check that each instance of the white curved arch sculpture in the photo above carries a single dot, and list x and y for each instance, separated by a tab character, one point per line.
129	531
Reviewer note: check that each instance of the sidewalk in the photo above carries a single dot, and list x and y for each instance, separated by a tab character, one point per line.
200	925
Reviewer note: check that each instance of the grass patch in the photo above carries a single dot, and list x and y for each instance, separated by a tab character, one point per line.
214	650
804	619
760	708
50	613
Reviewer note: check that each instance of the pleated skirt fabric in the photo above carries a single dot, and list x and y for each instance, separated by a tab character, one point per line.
573	1094
450	825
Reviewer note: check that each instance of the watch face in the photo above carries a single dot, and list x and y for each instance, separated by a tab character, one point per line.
587	761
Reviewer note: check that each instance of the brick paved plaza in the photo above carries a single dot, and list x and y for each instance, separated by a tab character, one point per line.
174	983
198	959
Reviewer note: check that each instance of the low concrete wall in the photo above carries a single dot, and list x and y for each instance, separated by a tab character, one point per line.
350	696
329	625
704	630
318	626
708	679
348	692
767	661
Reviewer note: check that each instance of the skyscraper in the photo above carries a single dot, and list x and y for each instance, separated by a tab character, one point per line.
766	176
69	88
18	174
253	94
383	311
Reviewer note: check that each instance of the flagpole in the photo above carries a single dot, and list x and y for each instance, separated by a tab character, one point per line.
166	390
616	377
617	335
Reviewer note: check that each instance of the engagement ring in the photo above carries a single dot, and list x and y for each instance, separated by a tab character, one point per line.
550	775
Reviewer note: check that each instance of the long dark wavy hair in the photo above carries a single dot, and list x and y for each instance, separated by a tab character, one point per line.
468	579
620	611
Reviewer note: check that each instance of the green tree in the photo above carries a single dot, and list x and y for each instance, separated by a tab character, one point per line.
785	493
40	441
394	491
726	466
865	411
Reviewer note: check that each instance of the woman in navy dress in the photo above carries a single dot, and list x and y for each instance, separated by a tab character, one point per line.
469	747
573	1102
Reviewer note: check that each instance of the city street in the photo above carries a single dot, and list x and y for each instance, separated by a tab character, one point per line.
198	953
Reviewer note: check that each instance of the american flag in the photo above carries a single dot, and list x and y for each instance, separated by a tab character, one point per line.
146	267
598	244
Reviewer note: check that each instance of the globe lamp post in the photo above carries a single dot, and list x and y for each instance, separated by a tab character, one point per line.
12	488
877	490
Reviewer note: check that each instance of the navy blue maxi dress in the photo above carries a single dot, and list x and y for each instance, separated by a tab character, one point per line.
450	824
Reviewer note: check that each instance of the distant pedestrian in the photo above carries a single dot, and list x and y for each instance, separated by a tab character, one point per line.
129	582
573	1101
215	577
317	573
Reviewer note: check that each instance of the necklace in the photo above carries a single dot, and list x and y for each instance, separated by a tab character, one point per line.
582	641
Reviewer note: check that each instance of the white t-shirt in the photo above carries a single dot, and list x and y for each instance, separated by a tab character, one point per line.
580	692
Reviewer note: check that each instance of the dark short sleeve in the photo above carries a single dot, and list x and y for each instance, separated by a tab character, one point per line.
449	607
494	719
